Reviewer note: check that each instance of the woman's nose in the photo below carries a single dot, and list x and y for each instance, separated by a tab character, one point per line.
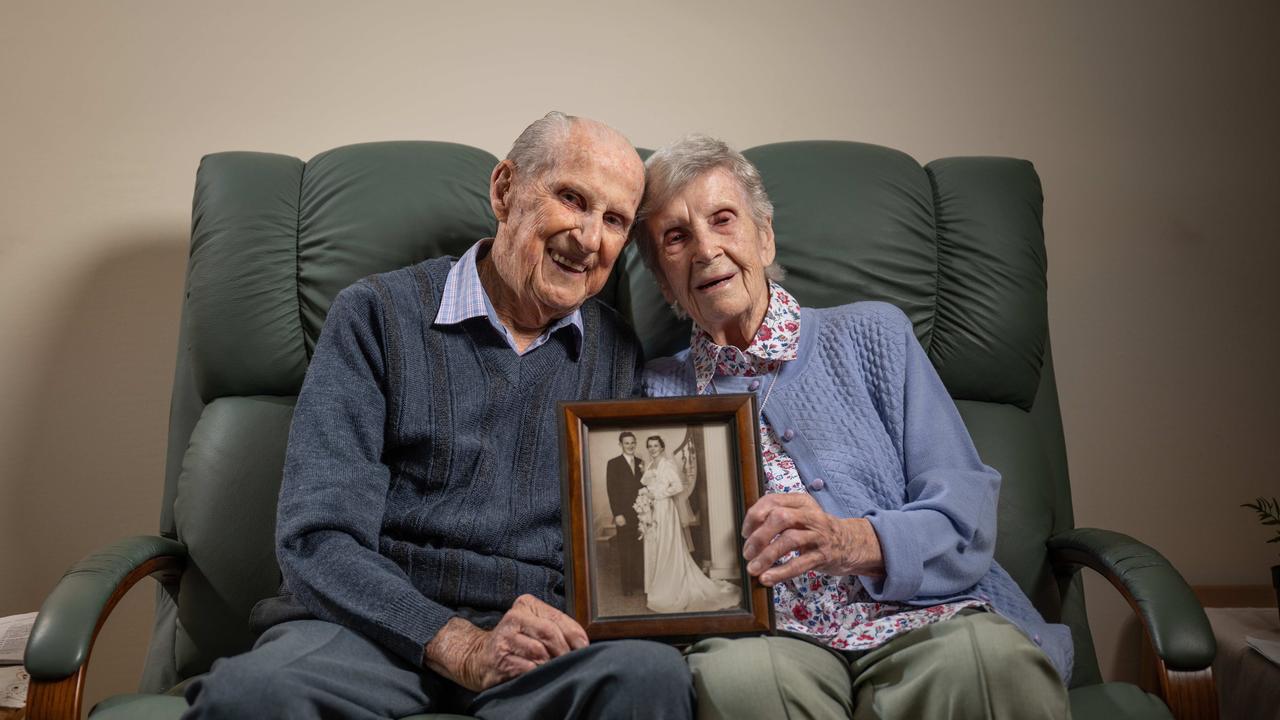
706	246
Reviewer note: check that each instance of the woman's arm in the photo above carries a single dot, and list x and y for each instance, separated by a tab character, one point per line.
668	480
941	541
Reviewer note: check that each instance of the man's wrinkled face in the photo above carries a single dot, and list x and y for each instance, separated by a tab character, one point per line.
711	253
565	228
629	445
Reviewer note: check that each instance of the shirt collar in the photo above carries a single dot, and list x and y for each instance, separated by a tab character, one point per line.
464	298
777	341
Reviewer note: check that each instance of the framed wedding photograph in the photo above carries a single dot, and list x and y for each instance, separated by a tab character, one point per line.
655	491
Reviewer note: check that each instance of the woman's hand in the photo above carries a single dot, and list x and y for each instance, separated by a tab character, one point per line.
782	522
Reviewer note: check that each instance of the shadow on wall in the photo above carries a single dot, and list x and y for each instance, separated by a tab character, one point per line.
89	463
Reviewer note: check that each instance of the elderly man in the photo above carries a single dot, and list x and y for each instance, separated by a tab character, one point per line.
419	522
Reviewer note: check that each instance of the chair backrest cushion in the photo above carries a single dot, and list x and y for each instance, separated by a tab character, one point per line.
274	239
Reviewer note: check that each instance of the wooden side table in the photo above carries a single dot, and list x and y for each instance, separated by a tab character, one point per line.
1248	684
1256	596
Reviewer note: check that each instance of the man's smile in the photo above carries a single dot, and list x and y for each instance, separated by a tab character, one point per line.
566	264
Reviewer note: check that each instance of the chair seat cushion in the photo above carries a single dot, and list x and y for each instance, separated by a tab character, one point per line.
139	707
1093	702
1116	700
170	707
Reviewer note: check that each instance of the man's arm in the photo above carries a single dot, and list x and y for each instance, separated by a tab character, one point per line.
333	494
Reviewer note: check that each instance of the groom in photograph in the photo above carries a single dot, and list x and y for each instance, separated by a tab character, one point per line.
623	480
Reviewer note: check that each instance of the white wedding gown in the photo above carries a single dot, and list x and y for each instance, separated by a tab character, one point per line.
673	582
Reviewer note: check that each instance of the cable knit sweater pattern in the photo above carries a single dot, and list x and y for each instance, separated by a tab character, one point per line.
422	476
862	409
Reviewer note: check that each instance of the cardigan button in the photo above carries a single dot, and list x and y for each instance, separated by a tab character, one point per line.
817	484
789	435
754	386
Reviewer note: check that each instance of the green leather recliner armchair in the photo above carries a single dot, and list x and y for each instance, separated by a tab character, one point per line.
957	244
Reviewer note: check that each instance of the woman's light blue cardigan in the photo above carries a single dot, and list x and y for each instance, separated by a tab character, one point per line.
874	434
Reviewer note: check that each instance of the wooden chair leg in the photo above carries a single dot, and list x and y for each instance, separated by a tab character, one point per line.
1190	694
57	700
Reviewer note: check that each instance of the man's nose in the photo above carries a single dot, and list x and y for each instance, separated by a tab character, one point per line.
591	232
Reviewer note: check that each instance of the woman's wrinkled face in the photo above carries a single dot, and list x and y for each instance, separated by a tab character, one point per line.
712	254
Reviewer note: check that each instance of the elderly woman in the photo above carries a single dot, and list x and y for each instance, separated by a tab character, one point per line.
877	529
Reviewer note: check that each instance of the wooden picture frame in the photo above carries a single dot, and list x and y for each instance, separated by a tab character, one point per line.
708	447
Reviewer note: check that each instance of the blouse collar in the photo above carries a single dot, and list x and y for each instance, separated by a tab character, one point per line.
777	341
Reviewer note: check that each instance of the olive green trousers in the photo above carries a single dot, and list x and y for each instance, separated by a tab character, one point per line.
976	665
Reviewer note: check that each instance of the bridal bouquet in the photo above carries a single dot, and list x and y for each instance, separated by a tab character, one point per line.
644	511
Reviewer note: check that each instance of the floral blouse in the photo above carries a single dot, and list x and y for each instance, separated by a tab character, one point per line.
835	611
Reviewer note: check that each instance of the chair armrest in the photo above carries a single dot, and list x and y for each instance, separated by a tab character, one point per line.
1169	610
1173	622
74	611
71	616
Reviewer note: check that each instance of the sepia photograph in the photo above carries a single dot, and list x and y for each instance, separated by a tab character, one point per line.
655	492
662	516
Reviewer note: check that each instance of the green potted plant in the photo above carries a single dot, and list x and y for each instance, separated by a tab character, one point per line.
1269	514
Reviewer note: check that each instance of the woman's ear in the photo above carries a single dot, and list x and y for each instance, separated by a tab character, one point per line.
500	184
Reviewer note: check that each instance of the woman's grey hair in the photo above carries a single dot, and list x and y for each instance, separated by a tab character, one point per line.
534	152
670	169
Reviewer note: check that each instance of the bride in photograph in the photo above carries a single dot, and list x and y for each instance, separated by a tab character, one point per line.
672	580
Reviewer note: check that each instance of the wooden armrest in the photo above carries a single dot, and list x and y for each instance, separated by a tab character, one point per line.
69	621
1178	631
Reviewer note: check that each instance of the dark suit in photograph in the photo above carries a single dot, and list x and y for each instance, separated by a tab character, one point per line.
623	480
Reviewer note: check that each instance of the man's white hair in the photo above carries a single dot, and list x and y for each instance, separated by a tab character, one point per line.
534	152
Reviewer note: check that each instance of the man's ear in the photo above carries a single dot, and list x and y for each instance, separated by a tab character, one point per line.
767	249
500	185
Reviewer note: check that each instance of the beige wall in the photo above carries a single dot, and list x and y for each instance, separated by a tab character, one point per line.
1151	123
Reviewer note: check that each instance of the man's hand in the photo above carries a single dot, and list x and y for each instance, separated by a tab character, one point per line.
620	521
782	522
531	633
